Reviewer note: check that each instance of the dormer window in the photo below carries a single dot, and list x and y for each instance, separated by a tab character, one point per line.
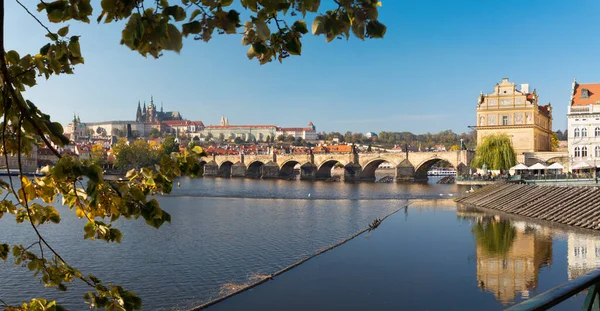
585	93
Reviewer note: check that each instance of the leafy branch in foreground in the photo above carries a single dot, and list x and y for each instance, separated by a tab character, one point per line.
272	31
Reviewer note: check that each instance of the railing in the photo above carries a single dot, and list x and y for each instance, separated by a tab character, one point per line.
551	298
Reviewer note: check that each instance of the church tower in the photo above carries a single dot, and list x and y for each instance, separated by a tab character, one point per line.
138	115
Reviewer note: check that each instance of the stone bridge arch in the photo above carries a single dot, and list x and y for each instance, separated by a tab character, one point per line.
255	169
369	168
225	169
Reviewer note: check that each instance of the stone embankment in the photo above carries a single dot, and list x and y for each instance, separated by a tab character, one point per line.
569	205
447	180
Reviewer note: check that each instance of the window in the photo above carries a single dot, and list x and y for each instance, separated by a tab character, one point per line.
597	152
577	152
576	132
584	132
597	132
583	152
504	120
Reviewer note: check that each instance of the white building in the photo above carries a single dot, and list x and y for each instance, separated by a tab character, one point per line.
306	133
583	254
584	126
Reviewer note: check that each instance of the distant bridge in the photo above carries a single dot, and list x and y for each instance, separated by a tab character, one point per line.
411	166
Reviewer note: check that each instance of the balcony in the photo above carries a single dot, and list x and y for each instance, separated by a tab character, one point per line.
584	109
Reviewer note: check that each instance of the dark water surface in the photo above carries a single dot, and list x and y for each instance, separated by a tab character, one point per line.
430	256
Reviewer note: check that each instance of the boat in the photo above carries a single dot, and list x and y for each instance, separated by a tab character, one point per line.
441	172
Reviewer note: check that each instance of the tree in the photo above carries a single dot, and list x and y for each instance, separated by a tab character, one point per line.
154	133
281	137
169	145
496	152
209	137
221	138
289	139
554	141
495	237
98	155
149	31
238	140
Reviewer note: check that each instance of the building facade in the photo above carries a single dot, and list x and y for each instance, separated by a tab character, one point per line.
151	114
516	113
306	133
583	121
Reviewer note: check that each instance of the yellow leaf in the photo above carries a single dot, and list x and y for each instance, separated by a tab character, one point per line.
80	213
378	3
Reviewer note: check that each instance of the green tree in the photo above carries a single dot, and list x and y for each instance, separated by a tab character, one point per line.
169	145
208	137
496	152
554	141
495	237
289	139
98	155
221	138
238	140
154	133
273	31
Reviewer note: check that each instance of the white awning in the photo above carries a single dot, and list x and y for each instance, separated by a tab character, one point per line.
581	165
537	166
519	167
555	166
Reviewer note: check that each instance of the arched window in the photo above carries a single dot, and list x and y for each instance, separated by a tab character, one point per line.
577	152
584	132
597	132
583	152
576	132
597	151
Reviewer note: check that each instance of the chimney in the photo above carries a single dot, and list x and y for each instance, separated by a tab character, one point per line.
525	88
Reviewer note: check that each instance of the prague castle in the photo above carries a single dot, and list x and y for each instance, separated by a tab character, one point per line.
151	115
516	113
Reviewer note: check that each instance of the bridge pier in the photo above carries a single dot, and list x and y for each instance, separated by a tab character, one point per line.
405	172
238	170
270	170
352	172
211	169
308	171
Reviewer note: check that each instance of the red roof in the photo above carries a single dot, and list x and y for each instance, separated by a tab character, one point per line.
593	94
182	122
238	126
295	129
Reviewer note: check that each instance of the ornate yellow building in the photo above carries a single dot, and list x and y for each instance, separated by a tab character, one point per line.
515	113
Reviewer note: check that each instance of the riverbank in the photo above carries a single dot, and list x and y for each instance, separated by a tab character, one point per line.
577	206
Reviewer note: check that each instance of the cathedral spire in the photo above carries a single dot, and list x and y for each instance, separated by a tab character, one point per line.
161	106
74	117
138	114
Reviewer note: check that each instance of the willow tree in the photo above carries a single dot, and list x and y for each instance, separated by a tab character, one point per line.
273	31
495	237
496	152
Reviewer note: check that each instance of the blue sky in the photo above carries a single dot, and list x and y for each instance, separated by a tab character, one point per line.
424	76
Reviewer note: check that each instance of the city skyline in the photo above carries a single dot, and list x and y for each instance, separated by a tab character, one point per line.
422	77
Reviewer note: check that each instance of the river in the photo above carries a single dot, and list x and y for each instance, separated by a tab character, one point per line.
229	231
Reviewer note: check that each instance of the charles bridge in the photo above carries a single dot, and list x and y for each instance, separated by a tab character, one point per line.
411	166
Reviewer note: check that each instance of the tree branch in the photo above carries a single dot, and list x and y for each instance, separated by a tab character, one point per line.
39	22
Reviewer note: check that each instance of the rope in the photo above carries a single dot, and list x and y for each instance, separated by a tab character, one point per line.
290	267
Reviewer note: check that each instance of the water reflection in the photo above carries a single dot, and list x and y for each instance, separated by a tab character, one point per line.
583	254
510	255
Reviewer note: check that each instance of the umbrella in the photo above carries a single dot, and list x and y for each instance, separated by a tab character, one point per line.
519	167
555	166
581	165
537	166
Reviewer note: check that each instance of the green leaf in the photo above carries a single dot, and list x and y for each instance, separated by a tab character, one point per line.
191	28
63	31
55	15
375	29
259	48
226	2
13	57
262	30
74	46
195	14
318	25
176	11
251	53
293	46
175	40
300	26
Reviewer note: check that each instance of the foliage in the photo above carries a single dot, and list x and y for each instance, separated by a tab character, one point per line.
272	32
154	133
496	152
554	142
495	237
169	145
98	155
